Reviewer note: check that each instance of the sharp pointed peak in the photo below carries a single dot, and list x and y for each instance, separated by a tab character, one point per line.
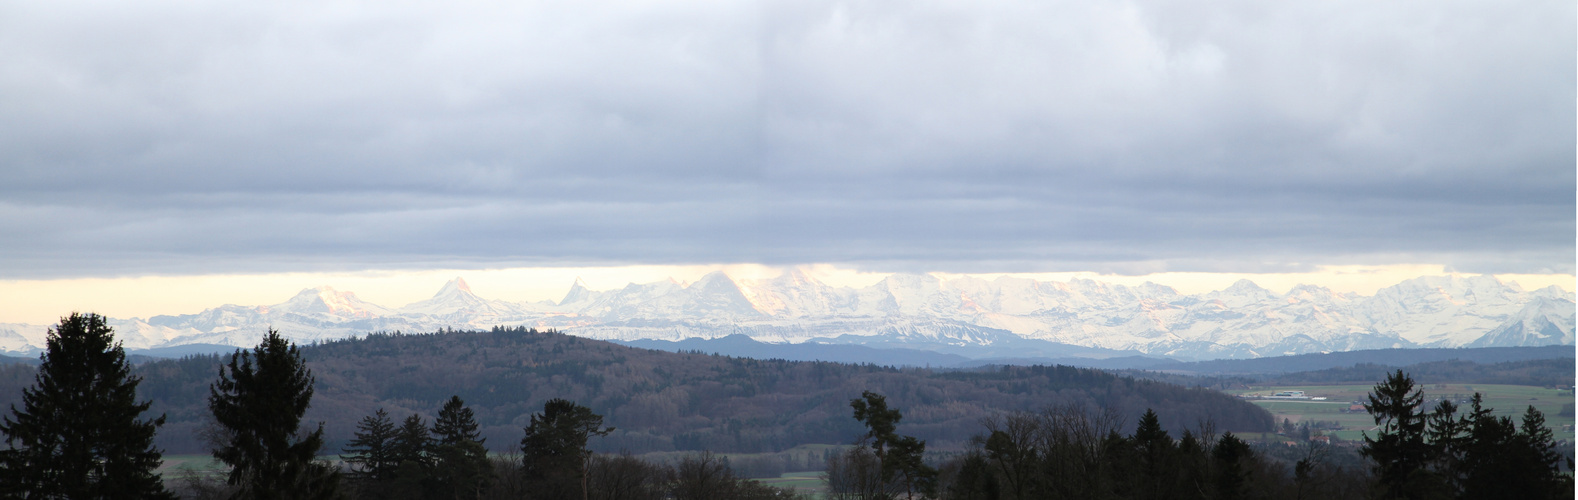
455	285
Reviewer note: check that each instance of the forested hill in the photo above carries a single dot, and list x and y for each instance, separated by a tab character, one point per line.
661	401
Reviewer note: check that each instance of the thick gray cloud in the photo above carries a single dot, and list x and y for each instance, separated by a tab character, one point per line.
195	137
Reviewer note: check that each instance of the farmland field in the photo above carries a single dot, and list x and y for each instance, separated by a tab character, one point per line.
1509	400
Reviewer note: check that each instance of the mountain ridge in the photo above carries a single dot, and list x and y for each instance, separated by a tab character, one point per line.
967	316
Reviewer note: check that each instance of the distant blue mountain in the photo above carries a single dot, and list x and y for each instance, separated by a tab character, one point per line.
28	360
1385	357
887	354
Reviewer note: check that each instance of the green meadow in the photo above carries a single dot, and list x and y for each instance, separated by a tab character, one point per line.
1509	400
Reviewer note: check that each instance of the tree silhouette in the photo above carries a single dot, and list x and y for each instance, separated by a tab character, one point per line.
1155	452
901	456
1398	449
371	453
258	403
78	434
460	460
554	454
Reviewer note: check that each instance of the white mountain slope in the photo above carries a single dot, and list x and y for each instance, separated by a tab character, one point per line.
1443	311
1543	321
923	310
455	300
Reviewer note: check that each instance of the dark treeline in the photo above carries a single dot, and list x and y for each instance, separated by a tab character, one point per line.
1077	452
661	401
1553	372
84	431
1082	452
1536	372
1394	358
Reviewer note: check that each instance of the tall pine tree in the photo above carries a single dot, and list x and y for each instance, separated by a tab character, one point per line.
371	453
460	460
78	434
456	423
1399	448
258	402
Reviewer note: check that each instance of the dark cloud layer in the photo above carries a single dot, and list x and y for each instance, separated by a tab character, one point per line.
197	137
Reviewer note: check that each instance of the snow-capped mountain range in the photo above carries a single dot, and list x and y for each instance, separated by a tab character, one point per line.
975	317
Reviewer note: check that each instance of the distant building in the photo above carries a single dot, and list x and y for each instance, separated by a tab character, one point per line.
1288	395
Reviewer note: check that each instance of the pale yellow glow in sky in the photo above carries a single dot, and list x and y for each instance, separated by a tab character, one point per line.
45	301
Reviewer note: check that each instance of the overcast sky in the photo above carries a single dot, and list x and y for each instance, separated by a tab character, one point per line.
204	137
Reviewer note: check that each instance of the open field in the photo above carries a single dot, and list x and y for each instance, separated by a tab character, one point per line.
803	482
1510	400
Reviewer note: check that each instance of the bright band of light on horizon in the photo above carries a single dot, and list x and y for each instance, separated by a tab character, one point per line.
45	301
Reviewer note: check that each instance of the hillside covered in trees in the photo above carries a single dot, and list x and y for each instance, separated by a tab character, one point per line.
662	401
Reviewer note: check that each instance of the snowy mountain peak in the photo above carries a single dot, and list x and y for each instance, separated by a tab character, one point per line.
1309	293
1245	287
578	293
456	298
714	279
454	286
325	300
1242	293
1241	320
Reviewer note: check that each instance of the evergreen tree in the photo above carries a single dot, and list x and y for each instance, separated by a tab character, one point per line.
456	423
411	451
554	454
1155	452
1447	436
258	402
78	434
460	460
1502	460
1399	449
1543	462
371	452
412	442
1231	455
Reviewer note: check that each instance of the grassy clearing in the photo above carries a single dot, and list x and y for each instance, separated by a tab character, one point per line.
803	482
1509	400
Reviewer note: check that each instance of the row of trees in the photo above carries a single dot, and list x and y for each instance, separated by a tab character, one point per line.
448	462
1442	454
80	434
1064	452
1077	452
413	461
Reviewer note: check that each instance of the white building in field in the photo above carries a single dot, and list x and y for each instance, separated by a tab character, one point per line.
1288	395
